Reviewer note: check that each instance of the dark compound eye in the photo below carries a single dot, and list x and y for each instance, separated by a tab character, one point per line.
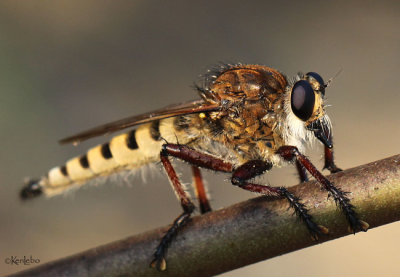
319	79
302	100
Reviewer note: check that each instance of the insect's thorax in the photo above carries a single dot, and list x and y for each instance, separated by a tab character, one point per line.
252	122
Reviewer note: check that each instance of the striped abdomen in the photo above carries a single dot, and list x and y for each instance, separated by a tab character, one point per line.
131	150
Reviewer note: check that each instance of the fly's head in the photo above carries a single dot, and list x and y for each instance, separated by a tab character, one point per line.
305	111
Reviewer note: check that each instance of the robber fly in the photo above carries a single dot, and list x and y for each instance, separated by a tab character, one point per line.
249	119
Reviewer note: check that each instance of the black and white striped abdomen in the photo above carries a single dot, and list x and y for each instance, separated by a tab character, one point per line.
131	150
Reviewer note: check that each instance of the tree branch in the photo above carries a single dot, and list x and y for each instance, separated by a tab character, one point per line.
244	233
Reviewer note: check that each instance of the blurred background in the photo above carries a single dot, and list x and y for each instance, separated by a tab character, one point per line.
66	66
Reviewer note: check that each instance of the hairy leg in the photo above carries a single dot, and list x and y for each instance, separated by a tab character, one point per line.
254	168
240	178
197	159
159	256
291	153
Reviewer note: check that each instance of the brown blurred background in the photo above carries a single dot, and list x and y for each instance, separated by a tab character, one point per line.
69	65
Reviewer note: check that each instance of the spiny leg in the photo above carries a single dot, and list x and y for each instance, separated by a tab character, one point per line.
241	175
197	159
159	256
290	153
200	190
254	168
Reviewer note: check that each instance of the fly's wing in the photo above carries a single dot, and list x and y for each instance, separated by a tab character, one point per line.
191	107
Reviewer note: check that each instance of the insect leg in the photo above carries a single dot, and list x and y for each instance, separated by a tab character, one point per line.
329	162
197	159
302	172
200	190
241	175
159	256
290	153
254	168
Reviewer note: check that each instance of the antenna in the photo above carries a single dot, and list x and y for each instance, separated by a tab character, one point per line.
331	79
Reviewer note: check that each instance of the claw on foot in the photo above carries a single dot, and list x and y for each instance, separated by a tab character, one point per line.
336	169
362	226
159	263
333	169
318	230
323	229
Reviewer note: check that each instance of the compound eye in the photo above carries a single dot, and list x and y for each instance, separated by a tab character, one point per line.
302	100
319	79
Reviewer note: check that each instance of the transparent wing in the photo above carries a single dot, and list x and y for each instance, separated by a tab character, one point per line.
191	107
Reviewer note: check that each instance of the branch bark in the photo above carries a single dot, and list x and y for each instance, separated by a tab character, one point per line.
245	233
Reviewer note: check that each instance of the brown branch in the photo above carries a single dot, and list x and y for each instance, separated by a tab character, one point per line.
244	233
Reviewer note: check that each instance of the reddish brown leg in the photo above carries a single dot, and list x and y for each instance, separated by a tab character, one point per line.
200	190
197	159
290	153
302	172
329	162
253	168
239	178
159	256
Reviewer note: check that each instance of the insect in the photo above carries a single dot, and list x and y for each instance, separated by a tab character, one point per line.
249	119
